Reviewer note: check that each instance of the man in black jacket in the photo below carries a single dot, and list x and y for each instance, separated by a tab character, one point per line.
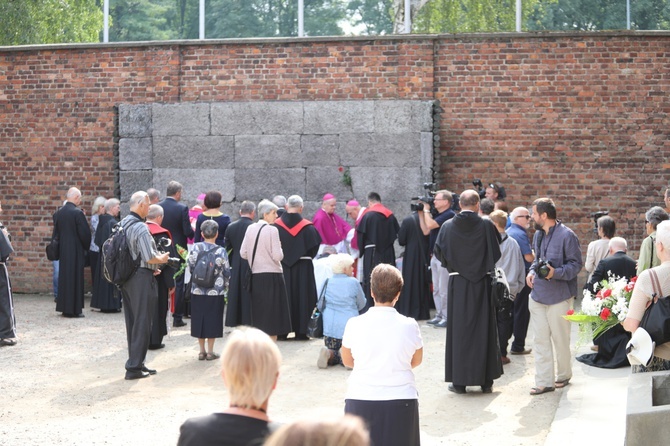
617	263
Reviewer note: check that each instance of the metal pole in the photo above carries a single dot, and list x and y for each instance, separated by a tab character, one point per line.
408	16
518	16
202	19
301	18
105	13
627	14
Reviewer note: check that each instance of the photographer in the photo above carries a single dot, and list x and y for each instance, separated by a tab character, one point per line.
165	279
429	225
553	280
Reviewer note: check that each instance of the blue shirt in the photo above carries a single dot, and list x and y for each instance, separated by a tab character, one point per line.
519	234
344	297
561	248
440	220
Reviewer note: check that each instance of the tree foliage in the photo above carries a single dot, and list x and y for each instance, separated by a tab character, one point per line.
372	17
26	22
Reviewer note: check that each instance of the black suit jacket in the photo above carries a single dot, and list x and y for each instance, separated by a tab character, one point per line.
175	220
618	263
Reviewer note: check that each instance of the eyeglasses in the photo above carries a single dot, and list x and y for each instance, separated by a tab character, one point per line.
527	217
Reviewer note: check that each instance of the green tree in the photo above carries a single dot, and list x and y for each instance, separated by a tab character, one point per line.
26	22
462	16
375	16
139	20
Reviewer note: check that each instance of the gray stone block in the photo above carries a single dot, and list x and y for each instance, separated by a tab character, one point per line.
135	153
133	180
256	184
322	117
320	150
183	119
257	118
134	121
194	151
403	116
648	409
267	151
323	180
197	181
381	150
392	183
427	150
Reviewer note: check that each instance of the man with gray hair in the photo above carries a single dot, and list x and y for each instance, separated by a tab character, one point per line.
140	292
300	242
280	201
154	195
74	236
165	280
617	263
239	299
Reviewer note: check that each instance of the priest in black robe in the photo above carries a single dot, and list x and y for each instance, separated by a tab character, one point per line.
415	295
74	236
469	247
7	318
106	296
165	280
375	233
300	242
239	299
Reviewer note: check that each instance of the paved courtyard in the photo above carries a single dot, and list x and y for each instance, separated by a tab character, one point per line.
63	385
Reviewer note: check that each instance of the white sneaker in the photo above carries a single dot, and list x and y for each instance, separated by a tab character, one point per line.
324	356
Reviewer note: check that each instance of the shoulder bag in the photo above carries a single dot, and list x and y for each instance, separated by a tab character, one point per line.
53	249
315	324
246	281
656	319
499	286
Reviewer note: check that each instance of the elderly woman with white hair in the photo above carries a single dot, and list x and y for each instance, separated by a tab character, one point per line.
250	369
261	247
644	292
343	298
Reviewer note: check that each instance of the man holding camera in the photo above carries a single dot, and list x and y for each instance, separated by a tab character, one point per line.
429	225
553	280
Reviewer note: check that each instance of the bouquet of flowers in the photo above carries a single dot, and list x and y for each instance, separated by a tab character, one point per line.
605	309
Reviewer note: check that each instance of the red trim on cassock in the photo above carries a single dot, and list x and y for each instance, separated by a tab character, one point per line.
295	229
386	212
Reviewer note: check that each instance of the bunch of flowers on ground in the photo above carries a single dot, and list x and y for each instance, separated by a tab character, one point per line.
606	308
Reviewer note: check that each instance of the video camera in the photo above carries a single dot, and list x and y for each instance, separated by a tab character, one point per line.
428	198
163	244
595	216
481	190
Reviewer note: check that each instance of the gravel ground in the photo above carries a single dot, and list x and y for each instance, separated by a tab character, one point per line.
63	383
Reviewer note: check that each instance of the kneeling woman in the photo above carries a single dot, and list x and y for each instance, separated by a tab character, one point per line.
207	304
383	347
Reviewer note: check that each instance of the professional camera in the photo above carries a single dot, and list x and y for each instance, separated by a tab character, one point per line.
481	190
163	244
428	198
543	268
595	216
479	187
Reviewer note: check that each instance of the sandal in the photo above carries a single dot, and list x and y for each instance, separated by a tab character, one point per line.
540	390
7	342
562	383
202	356
212	356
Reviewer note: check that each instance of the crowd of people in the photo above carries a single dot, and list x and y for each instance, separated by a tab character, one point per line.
273	266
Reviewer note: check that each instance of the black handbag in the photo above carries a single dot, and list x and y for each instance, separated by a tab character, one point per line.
53	249
315	324
246	280
656	319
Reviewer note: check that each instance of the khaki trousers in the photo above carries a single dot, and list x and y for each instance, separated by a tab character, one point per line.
549	328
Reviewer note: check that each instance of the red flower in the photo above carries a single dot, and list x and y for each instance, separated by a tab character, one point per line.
599	294
605	314
630	286
571	312
607	293
633	280
341	169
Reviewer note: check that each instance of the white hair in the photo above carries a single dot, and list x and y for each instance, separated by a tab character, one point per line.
340	262
663	234
618	244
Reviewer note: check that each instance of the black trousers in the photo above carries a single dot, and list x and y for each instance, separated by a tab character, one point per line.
505	321
521	319
179	303
140	295
391	422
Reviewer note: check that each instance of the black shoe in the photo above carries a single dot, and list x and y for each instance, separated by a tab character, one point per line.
70	315
487	389
156	346
301	337
456	389
281	337
132	374
148	370
179	324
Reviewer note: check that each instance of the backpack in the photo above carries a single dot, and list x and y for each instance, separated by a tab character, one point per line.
118	264
204	272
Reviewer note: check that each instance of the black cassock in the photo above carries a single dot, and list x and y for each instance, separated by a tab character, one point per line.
165	281
106	297
239	299
472	349
74	237
300	242
7	319
376	233
415	296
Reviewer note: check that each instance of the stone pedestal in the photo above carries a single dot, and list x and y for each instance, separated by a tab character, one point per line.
648	409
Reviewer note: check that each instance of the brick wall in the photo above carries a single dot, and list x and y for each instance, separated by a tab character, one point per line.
581	118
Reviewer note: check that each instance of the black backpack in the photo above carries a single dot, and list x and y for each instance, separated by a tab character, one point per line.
118	264
203	274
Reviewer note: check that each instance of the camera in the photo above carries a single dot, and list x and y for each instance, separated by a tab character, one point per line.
162	245
481	190
543	268
595	216
428	198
